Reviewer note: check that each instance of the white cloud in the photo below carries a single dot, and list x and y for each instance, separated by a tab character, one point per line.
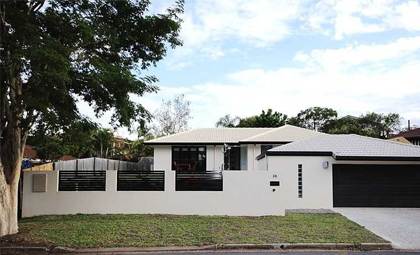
290	90
407	15
210	24
348	17
259	22
355	54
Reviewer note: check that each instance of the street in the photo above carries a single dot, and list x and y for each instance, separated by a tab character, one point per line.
262	252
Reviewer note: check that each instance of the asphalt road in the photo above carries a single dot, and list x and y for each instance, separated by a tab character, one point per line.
265	252
281	253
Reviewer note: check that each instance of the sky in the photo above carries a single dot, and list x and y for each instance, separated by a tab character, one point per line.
243	56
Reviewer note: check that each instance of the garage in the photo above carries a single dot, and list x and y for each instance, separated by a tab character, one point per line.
330	171
367	185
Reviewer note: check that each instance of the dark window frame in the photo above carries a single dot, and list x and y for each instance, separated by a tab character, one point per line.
186	157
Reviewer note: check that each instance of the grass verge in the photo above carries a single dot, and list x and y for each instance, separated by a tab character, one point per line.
175	230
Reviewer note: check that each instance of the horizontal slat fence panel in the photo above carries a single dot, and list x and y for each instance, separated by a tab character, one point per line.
82	180
199	181
130	180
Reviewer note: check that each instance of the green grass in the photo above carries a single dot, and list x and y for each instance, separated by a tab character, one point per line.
174	230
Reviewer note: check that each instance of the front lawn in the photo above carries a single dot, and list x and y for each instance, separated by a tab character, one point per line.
175	230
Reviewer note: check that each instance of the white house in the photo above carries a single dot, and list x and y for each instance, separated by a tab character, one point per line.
315	170
208	149
238	171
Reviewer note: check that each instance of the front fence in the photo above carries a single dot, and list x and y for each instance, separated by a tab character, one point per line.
141	181
199	181
82	181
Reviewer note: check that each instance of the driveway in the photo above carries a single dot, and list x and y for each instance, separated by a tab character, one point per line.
399	226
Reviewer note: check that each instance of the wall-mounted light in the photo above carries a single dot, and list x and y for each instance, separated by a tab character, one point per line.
325	164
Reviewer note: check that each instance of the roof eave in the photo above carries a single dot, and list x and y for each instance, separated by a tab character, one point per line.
377	158
265	142
189	143
295	153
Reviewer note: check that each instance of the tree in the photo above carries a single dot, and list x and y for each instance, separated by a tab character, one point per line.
314	118
265	119
380	125
103	142
79	138
227	121
54	55
371	124
172	117
51	150
345	125
138	149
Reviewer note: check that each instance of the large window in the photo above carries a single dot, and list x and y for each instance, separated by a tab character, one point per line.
189	158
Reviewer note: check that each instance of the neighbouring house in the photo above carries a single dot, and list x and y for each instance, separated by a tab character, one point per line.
346	171
29	153
66	158
203	149
120	148
413	136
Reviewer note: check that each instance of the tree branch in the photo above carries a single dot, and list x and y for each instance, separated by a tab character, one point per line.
35	5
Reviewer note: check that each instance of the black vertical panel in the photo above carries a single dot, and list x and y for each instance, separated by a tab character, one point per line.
376	185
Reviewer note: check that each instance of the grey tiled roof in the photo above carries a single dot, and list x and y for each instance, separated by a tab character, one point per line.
236	135
286	133
350	146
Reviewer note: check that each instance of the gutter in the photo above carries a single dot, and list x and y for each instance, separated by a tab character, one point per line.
335	156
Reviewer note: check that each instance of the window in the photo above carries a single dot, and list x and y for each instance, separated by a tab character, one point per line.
189	158
300	181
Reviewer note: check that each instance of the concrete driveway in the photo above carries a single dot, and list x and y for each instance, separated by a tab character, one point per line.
400	226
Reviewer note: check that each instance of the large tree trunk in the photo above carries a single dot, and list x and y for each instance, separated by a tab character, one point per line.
12	146
8	205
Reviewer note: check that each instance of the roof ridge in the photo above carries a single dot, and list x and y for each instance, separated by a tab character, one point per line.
172	135
240	128
303	140
268	132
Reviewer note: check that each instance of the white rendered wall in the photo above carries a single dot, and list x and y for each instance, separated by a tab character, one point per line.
214	157
244	193
253	151
317	181
262	164
162	157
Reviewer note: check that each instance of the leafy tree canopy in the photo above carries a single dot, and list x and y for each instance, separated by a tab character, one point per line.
265	119
314	117
372	124
68	50
227	121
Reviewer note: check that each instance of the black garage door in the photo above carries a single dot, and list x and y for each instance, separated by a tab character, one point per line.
376	185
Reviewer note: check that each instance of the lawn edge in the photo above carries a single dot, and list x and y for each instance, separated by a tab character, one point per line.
279	246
